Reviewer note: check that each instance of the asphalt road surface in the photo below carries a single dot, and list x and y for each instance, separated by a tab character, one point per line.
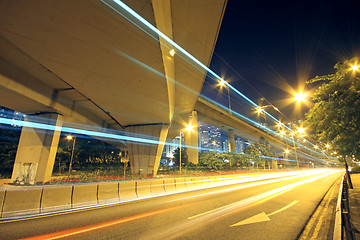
276	208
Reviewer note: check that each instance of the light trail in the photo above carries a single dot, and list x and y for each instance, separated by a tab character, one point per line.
80	230
226	181
115	136
189	56
264	196
230	209
223	211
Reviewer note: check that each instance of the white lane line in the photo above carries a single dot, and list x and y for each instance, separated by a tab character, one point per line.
284	208
260	197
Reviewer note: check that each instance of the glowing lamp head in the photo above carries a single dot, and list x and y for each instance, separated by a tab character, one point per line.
279	124
355	67
300	97
327	146
69	137
172	52
301	130
214	142
222	83
259	110
287	151
282	132
189	128
316	147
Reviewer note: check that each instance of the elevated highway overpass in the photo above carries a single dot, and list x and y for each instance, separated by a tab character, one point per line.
91	62
100	64
210	112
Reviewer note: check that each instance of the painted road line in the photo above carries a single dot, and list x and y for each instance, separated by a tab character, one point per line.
258	198
80	230
284	208
263	217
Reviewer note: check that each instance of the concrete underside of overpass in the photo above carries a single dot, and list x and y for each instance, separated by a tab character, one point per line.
217	116
85	62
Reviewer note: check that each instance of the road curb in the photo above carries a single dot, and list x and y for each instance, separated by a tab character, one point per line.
320	224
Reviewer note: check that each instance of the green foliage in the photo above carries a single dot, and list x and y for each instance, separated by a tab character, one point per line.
335	116
212	160
223	161
9	139
259	150
176	158
89	153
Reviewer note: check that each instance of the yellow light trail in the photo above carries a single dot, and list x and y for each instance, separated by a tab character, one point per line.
75	231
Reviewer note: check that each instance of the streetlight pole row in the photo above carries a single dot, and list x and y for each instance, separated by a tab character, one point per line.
69	137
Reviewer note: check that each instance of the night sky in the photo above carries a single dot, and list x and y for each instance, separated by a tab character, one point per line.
274	47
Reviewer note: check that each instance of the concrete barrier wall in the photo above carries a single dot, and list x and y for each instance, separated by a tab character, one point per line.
157	187
127	191
21	202
2	196
197	181
108	192
85	195
48	199
190	183
143	189
180	184
54	199
169	185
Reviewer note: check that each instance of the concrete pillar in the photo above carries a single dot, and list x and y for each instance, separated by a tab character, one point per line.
37	149
191	139
231	138
274	164
145	157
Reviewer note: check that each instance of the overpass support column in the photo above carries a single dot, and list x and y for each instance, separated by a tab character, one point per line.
145	156
191	139
37	149
231	138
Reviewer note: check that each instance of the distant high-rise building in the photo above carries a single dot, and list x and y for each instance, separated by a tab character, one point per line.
239	145
225	145
169	148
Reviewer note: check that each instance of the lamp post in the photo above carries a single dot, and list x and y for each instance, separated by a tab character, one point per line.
282	133
222	83
69	137
260	110
181	133
189	128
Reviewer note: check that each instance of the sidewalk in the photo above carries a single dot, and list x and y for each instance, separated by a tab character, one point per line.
354	202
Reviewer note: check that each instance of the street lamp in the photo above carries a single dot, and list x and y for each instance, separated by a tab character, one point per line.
69	137
222	83
296	157
355	67
300	97
172	52
188	128
301	130
260	110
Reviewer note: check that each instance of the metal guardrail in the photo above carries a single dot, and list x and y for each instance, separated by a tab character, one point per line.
342	228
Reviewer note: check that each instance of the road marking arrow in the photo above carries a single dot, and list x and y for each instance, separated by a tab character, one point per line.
262	217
